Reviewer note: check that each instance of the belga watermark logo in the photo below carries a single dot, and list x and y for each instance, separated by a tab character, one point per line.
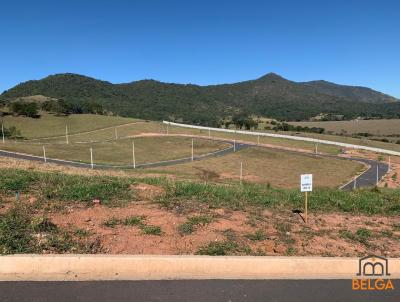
373	272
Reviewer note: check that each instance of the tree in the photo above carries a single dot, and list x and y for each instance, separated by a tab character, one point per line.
29	109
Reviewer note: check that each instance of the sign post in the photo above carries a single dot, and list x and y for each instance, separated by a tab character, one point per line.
241	172
192	149
133	155
91	158
306	186
44	154
66	134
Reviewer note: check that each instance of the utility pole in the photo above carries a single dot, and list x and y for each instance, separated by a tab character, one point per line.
234	145
116	133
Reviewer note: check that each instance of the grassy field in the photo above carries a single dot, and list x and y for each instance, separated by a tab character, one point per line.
111	140
254	139
331	149
260	165
50	125
376	127
119	152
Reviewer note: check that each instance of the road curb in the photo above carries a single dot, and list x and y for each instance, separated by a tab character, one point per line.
127	267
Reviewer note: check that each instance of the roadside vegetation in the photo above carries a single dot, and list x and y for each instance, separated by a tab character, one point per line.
113	191
138	221
21	232
47	212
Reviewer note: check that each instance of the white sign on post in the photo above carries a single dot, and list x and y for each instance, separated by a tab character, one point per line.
306	183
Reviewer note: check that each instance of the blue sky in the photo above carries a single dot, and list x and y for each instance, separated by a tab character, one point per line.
202	42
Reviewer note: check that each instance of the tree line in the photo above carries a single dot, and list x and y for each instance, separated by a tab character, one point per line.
58	107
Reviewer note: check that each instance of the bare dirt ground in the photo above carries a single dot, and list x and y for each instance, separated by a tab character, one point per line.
253	231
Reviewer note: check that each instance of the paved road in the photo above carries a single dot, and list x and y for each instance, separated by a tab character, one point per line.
367	179
193	291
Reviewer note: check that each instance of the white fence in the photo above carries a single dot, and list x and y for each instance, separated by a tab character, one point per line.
296	138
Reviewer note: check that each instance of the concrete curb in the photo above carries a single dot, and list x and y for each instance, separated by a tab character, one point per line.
126	267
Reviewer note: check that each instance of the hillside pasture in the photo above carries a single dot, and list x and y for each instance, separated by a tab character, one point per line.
49	125
119	152
382	127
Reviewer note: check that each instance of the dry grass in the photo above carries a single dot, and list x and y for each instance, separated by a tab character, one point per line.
50	125
147	149
376	127
279	168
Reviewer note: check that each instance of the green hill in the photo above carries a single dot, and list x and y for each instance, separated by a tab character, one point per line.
270	95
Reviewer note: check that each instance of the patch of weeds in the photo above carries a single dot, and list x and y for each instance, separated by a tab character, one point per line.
16	232
307	233
21	232
190	225
259	252
13	180
43	225
284	232
362	235
387	233
283	227
346	234
223	248
396	227
252	221
112	222
151	230
207	175
291	251
71	187
230	234
82	233
57	186
258	235
134	221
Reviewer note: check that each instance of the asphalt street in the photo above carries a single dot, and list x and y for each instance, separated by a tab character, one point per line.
369	178
193	291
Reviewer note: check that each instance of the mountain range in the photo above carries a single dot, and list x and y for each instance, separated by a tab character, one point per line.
268	96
